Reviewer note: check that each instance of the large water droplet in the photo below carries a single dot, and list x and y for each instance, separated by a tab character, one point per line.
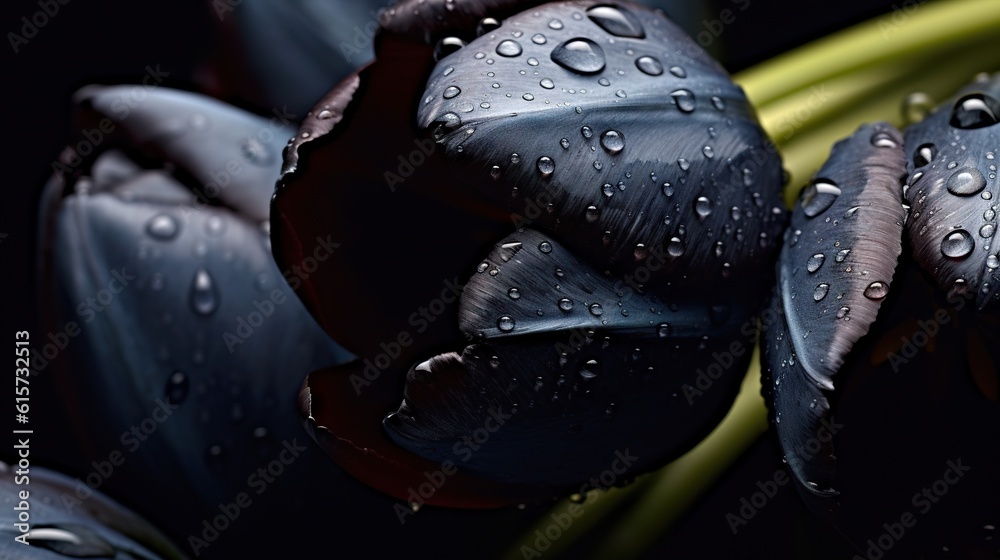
162	226
613	141
877	290
987	231
487	25
177	388
547	83
589	370
819	196
451	92
616	21
675	247
957	244
684	99
579	55
703	207
976	110
509	48
966	182
204	298
924	154
815	262
649	65
546	166
447	46
505	324
821	291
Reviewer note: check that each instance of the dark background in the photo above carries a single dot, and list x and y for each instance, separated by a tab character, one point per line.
112	41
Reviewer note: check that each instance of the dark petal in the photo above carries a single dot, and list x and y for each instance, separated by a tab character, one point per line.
174	302
427	21
342	414
231	155
349	179
562	391
624	159
102	529
835	270
954	193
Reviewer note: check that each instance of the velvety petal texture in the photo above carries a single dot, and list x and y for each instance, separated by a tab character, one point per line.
835	270
610	194
953	189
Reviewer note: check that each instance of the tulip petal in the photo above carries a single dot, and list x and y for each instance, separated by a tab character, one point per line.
632	149
835	270
953	191
550	394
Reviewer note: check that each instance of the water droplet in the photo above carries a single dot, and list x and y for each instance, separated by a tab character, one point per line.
587	132
545	247
482	267
508	250
564	143
883	139
819	196
616	21
163	227
987	231
589	370
664	330
592	214
668	189
842	312
604	82
566	304
596	310
579	55
976	110
842	255
675	247
528	97
204	298
708	152
821	292
678	71
957	244
815	262
718	103
487	25
924	155
505	324
649	65
177	388
445	124
509	48
608	189
684	100
877	290
683	164
217	459
538	39
547	83
546	166
556	24
621	93
966	182
515	158
703	207
451	92
447	46
612	141
993	262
